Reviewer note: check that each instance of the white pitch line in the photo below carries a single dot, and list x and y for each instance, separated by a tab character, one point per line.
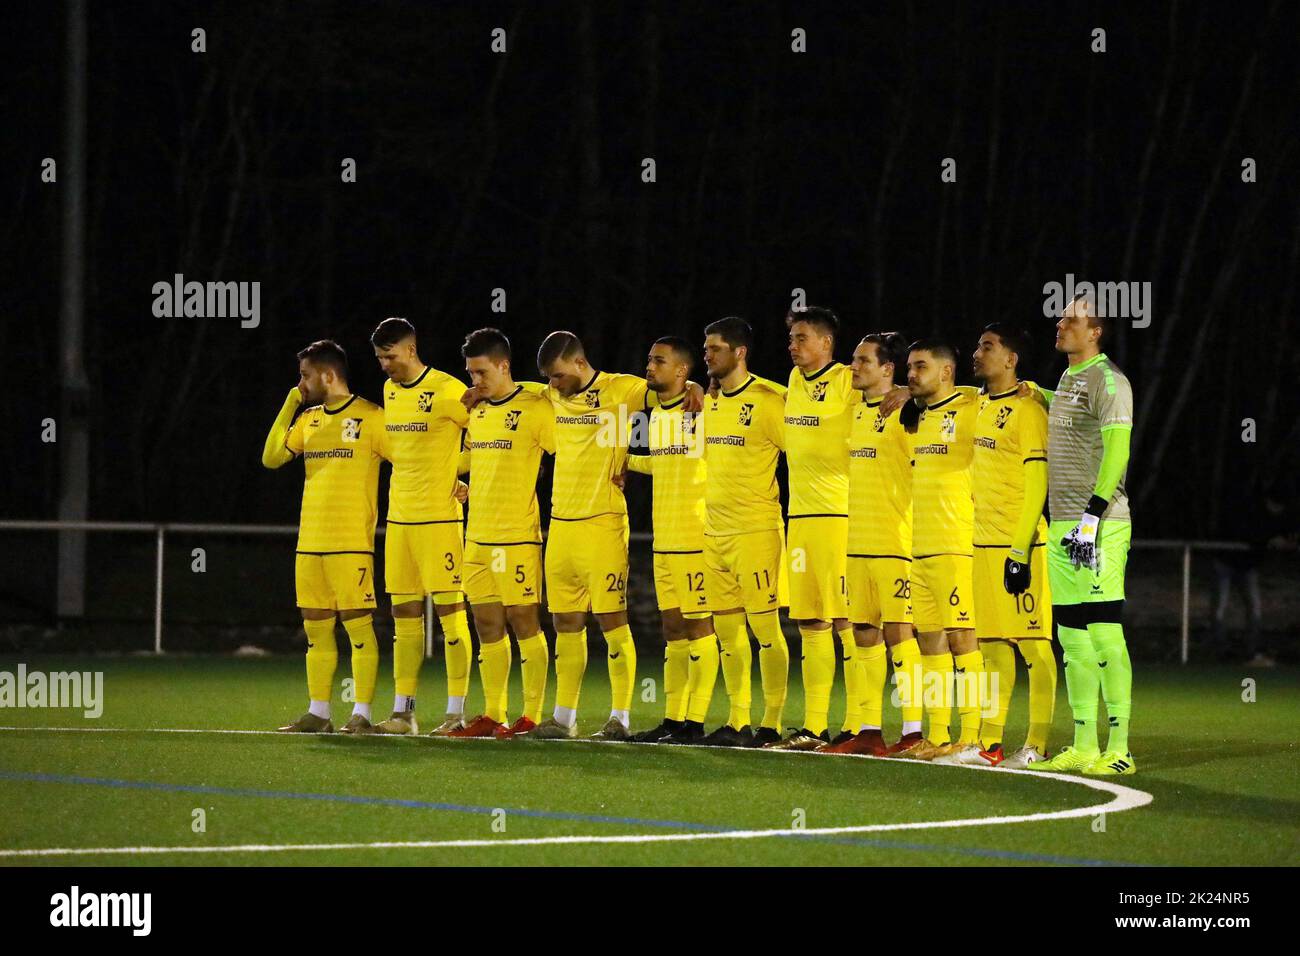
1122	799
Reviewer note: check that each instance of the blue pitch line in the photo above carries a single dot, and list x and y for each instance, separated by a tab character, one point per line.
1013	855
348	798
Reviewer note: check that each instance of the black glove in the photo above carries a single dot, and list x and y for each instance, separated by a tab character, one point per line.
1015	576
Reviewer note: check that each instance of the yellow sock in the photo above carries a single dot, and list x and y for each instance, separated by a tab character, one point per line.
534	663
702	674
906	656
322	658
853	677
773	665
494	671
873	662
570	666
737	662
1041	664
818	677
459	651
622	667
936	686
408	654
1000	663
677	675
365	657
969	688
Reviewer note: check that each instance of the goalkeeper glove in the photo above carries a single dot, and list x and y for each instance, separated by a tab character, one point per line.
1081	543
1015	573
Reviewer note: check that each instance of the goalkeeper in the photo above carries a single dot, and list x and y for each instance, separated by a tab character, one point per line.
1089	422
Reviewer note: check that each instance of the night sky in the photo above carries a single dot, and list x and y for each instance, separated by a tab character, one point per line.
522	171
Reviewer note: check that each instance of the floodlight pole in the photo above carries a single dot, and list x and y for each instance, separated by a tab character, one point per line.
72	429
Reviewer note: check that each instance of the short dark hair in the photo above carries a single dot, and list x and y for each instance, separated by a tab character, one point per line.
733	330
681	348
490	342
329	354
824	321
391	331
558	345
936	347
1097	317
890	347
1013	337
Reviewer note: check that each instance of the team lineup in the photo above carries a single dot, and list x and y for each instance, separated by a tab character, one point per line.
939	528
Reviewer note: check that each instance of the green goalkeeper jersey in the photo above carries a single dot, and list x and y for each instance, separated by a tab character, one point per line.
1092	397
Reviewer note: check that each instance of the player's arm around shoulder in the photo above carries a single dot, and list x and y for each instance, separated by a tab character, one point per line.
844	390
540	414
376	423
448	399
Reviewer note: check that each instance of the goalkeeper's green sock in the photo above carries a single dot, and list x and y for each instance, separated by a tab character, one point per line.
1116	674
1082	681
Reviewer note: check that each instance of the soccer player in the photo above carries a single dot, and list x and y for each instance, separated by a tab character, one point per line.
423	548
880	549
942	536
744	434
819	404
341	439
508	431
586	553
1012	598
676	465
1088	538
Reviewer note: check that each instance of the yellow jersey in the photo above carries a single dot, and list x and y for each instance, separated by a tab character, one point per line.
676	464
591	435
1009	431
341	449
818	416
744	434
505	439
425	421
880	484
943	515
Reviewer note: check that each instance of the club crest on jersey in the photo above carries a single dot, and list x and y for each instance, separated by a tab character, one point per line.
948	427
351	429
1003	414
593	398
818	392
746	413
879	425
424	401
512	419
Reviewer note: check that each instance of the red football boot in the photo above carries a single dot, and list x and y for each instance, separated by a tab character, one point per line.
521	726
483	726
906	744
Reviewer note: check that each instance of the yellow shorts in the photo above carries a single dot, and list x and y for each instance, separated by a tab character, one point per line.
422	559
999	614
746	571
880	590
681	581
506	574
335	582
942	595
817	552
586	565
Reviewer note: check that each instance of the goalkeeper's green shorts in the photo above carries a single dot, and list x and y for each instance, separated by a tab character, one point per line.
1084	585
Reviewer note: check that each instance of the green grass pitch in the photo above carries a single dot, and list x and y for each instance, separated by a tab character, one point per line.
1222	773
